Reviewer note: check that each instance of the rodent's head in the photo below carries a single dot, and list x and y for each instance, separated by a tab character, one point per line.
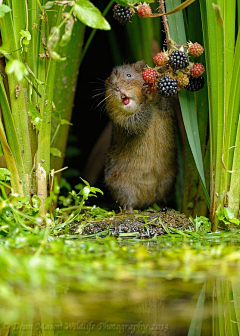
124	90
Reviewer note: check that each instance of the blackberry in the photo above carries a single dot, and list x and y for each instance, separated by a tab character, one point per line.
197	70
196	49
195	84
149	75
183	81
144	11
167	86
122	14
178	60
160	58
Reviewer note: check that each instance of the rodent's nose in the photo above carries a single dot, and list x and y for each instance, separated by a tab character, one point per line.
119	88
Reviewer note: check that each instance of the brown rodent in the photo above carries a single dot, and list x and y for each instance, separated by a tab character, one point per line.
141	164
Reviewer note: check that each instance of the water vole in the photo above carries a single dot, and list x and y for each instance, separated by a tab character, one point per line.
141	164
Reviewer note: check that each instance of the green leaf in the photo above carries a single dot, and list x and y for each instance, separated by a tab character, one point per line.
52	44
17	68
26	35
65	122
48	5
36	202
66	37
191	125
4	174
228	213
94	190
3	10
88	14
220	213
55	152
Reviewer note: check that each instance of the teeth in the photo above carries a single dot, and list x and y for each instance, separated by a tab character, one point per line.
123	96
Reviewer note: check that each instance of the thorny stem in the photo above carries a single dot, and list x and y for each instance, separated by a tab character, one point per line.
165	23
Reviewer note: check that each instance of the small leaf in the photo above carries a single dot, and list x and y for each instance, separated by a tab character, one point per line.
94	190
220	213
52	43
36	202
48	5
90	15
4	174
55	152
65	122
68	30
228	213
86	182
3	10
235	221
26	35
17	68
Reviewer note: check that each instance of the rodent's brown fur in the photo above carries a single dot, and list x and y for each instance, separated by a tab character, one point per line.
141	162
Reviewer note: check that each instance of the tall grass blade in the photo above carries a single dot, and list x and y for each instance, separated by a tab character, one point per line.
196	323
234	107
10	26
177	32
11	145
236	301
16	183
191	126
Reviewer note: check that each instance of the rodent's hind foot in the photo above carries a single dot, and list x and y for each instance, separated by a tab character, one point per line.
129	208
126	209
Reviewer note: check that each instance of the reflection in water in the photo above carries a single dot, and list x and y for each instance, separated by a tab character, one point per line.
157	307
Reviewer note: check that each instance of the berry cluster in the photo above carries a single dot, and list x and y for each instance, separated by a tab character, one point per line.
173	71
122	14
125	14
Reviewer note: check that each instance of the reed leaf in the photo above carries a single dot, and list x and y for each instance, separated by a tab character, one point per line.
236	300
177	32
234	132
191	125
196	323
223	81
16	183
11	144
10	27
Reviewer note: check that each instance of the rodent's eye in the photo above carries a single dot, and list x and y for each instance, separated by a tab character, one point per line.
128	75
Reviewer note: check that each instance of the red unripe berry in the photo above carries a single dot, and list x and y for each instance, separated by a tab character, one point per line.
196	49
160	59
149	76
197	70
144	11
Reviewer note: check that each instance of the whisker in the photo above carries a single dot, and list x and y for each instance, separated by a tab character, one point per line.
98	94
103	100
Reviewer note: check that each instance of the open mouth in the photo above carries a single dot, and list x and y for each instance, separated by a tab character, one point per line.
125	99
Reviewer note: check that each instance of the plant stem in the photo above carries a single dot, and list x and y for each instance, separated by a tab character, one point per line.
165	23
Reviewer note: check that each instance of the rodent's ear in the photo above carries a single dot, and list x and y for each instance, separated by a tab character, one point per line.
140	65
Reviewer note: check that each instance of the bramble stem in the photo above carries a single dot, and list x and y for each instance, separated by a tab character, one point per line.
165	23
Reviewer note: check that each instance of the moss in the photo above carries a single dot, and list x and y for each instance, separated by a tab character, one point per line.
145	224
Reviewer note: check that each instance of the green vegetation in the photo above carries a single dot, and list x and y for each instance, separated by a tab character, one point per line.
45	268
35	38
